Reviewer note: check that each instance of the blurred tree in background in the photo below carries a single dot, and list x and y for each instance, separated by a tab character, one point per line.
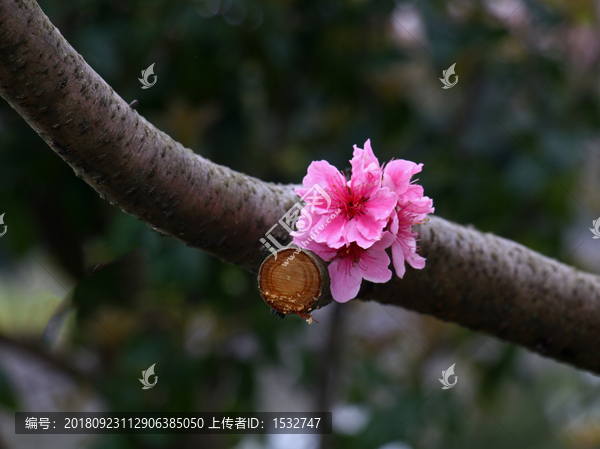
265	87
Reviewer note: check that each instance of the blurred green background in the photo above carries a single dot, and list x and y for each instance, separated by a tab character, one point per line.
266	87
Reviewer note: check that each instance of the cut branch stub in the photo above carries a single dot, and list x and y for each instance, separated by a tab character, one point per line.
294	280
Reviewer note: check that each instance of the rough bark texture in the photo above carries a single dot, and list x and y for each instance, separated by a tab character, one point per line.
474	279
499	287
127	160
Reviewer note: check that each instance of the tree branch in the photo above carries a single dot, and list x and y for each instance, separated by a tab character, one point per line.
477	280
123	157
493	285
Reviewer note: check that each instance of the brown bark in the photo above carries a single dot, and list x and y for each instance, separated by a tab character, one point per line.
499	287
474	279
123	157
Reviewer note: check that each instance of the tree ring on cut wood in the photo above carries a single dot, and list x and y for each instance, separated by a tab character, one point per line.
292	282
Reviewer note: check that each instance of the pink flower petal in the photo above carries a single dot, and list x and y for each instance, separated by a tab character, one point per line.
381	205
365	158
333	232
366	171
398	259
419	206
387	238
397	174
377	268
369	231
307	220
413	192
353	234
320	173
394	223
416	261
345	280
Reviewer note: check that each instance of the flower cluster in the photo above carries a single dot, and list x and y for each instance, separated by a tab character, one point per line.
360	218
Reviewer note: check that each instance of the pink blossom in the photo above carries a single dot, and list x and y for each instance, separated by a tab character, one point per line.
351	223
364	204
411	209
351	264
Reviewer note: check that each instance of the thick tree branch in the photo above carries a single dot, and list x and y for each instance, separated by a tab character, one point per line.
499	287
474	279
122	156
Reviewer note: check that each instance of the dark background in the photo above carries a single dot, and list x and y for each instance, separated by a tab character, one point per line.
266	87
